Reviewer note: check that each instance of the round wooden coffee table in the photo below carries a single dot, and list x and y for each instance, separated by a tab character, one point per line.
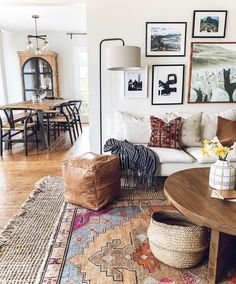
189	192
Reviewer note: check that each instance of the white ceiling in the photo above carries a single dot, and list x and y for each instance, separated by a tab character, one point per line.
55	16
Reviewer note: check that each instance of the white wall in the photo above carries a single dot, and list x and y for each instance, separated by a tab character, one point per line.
127	19
59	42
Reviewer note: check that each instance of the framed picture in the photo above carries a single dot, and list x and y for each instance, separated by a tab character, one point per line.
209	23
212	72
167	84
136	83
166	39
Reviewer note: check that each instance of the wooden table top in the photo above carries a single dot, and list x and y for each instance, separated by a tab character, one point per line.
189	192
45	105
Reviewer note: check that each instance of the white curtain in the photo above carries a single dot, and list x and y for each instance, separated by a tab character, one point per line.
3	86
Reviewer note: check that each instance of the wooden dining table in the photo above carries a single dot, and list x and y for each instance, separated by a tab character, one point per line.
45	105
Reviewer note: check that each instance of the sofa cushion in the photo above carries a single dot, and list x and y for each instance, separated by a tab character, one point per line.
226	131
197	154
190	129
134	128
166	135
168	155
209	122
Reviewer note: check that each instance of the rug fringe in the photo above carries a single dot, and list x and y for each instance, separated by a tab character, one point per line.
16	221
51	242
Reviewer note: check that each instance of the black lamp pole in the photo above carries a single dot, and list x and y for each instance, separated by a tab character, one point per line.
100	80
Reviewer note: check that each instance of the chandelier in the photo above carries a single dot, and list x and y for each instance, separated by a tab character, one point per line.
38	38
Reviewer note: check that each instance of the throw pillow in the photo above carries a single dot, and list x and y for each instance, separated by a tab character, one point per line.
226	131
209	122
165	135
132	127
190	129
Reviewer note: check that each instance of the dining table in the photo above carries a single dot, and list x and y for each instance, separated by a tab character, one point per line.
44	105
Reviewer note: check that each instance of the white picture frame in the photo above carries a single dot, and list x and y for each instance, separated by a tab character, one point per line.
135	83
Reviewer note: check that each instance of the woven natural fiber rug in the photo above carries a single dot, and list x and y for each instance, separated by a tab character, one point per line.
25	242
52	242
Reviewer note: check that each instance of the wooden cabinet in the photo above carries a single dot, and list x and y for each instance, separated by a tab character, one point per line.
39	71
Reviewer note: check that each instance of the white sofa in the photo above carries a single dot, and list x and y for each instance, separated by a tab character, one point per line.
136	129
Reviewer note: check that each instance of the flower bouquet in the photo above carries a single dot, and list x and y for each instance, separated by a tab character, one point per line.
215	147
222	173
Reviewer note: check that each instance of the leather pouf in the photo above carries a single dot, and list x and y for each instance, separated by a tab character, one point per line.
91	180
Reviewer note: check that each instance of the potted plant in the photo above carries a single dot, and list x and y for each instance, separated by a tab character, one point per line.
38	95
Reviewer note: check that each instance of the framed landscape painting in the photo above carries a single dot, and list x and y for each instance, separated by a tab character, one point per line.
165	39
209	23
136	83
212	72
167	84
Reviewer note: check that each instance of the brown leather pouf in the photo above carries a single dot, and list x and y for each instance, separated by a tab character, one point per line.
91	180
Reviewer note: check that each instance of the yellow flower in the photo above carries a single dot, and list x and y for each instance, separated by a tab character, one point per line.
222	151
214	146
205	151
206	142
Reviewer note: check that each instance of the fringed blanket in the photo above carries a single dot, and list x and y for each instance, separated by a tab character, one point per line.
137	158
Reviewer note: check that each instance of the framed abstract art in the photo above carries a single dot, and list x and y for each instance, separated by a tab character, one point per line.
167	84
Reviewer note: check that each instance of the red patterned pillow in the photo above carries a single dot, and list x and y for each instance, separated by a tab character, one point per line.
165	135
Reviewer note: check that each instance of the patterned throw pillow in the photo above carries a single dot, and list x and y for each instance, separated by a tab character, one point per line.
165	135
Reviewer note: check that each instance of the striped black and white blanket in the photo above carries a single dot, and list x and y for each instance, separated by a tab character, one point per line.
134	157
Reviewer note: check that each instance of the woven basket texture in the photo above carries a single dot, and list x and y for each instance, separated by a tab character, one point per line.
175	241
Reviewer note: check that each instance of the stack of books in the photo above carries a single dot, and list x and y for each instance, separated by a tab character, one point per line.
228	195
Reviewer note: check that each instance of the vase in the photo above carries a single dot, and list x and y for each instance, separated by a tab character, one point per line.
36	99
222	175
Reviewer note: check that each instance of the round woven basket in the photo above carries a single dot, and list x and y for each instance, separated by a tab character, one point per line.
175	241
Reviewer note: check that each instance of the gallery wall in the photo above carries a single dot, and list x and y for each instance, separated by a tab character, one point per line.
59	42
127	19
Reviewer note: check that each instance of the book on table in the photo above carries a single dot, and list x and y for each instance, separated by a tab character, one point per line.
229	195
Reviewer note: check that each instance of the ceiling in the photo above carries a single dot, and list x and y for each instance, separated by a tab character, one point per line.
55	16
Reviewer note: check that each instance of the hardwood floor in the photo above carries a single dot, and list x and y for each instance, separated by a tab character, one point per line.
18	173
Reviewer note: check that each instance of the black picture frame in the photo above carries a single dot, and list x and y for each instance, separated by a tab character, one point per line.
171	95
211	23
178	31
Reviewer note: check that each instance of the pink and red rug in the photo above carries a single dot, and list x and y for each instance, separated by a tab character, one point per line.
52	242
111	246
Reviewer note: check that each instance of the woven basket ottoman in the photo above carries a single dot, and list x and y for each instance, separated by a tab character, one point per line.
91	180
175	241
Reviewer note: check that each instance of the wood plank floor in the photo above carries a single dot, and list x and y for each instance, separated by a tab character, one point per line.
18	173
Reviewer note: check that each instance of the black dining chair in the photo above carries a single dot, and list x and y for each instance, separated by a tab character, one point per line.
64	119
15	130
76	109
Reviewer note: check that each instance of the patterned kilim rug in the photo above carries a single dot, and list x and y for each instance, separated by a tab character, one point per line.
52	242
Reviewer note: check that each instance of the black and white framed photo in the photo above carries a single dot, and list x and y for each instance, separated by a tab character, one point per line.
212	72
209	23
166	38
136	83
167	84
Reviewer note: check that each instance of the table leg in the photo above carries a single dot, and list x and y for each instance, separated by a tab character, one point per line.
222	251
42	133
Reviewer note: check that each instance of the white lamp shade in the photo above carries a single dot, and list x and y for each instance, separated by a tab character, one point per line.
123	58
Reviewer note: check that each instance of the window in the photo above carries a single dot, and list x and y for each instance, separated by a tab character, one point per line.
81	72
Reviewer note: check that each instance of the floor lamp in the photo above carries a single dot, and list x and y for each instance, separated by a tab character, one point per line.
119	58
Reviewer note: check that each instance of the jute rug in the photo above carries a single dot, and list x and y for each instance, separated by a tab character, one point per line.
52	242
